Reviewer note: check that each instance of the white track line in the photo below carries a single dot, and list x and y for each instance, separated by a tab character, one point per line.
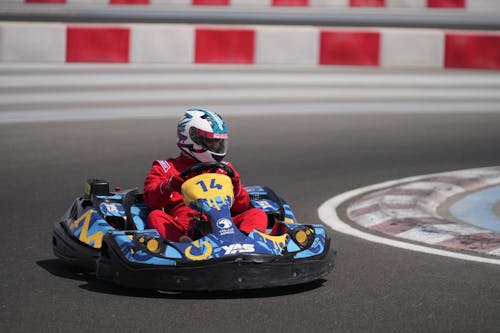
328	214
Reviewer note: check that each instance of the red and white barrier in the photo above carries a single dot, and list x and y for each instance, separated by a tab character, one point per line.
266	45
482	5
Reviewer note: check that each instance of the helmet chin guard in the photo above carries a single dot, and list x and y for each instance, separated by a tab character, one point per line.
203	135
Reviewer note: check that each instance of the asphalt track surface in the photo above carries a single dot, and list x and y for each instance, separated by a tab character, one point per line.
307	159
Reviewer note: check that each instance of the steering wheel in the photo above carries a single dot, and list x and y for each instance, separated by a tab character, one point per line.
198	168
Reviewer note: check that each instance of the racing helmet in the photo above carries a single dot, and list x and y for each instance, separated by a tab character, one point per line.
202	134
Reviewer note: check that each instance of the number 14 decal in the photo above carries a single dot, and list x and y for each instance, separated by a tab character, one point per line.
213	185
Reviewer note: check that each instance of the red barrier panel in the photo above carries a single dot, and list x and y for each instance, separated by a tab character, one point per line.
210	2
224	45
97	44
464	50
446	3
129	2
367	3
339	47
293	3
45	1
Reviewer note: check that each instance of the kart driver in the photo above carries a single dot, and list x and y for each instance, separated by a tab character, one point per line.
202	137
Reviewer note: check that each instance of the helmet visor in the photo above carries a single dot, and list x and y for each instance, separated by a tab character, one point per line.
215	143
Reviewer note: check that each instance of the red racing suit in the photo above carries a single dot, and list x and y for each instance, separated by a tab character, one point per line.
173	219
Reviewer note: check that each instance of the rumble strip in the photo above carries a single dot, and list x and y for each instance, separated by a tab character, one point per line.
406	213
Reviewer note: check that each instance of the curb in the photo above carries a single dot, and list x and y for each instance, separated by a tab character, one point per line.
406	211
250	45
410	211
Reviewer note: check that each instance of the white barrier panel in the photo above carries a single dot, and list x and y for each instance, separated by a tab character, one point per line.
171	2
412	48
152	43
406	3
32	42
88	2
253	3
287	45
484	5
329	3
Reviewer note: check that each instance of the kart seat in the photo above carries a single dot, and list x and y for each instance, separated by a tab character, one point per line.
132	222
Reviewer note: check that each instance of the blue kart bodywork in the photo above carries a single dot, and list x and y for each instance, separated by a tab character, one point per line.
107	232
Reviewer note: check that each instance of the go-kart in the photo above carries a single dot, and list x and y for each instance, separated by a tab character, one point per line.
106	232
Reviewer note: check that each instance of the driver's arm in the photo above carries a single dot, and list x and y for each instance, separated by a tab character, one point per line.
241	201
241	197
154	186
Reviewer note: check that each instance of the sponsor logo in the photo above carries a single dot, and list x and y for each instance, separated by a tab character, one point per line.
224	232
264	204
113	209
109	208
164	164
224	223
225	226
238	248
220	136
